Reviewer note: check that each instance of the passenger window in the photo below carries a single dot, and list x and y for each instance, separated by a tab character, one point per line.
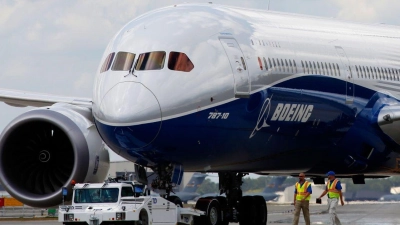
295	67
180	62
283	66
375	73
358	74
243	63
287	66
307	68
107	62
334	69
319	68
393	74
338	70
290	65
316	68
311	67
322	68
260	63
386	74
326	68
270	64
378	73
150	61
364	73
369	73
279	66
302	65
265	63
273	60
123	61
372	72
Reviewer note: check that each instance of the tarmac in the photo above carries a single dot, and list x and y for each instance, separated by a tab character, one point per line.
355	213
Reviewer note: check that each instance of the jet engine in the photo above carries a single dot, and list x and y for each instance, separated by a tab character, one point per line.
43	150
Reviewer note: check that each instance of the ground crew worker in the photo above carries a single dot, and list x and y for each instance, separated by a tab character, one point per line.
334	190
301	201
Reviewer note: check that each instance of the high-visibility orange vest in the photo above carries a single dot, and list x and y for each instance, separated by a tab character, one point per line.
332	191
302	191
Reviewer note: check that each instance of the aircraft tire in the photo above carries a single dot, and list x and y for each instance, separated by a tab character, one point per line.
262	211
247	211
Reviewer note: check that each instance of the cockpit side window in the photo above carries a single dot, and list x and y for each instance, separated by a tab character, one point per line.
123	61
107	62
150	61
180	62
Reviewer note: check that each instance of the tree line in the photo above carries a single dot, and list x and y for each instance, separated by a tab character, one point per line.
258	184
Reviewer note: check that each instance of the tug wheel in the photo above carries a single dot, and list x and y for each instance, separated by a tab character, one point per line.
143	218
176	200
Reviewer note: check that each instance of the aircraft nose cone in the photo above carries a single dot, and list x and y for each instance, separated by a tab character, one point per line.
129	113
129	103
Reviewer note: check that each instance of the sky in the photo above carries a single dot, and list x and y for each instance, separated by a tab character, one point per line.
55	46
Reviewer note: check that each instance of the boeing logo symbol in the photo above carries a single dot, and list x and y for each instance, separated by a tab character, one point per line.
283	112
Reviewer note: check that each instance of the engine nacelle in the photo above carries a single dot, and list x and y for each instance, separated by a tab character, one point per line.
43	150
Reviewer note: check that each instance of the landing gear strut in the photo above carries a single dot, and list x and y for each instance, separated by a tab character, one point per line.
247	210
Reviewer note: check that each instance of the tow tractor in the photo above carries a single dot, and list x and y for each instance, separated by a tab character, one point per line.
122	202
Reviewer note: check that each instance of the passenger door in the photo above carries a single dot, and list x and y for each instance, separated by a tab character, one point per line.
348	75
238	66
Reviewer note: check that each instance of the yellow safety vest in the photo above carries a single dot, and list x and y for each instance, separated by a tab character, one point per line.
332	191
302	191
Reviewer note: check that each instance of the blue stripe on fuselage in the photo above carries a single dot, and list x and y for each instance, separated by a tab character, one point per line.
240	135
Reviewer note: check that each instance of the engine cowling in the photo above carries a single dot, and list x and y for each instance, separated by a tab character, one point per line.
43	150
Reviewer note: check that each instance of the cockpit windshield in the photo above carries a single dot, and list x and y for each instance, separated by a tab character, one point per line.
150	61
96	195
180	62
123	61
107	62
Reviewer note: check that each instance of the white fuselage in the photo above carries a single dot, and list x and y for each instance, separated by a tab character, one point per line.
238	54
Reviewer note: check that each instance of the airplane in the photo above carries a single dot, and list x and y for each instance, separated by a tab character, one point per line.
213	88
269	192
189	191
390	197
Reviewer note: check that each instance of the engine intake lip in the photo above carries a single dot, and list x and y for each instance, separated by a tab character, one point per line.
37	192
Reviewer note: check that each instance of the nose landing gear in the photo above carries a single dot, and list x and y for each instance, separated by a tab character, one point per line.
168	176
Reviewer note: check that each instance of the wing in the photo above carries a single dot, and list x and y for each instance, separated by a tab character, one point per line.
22	99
